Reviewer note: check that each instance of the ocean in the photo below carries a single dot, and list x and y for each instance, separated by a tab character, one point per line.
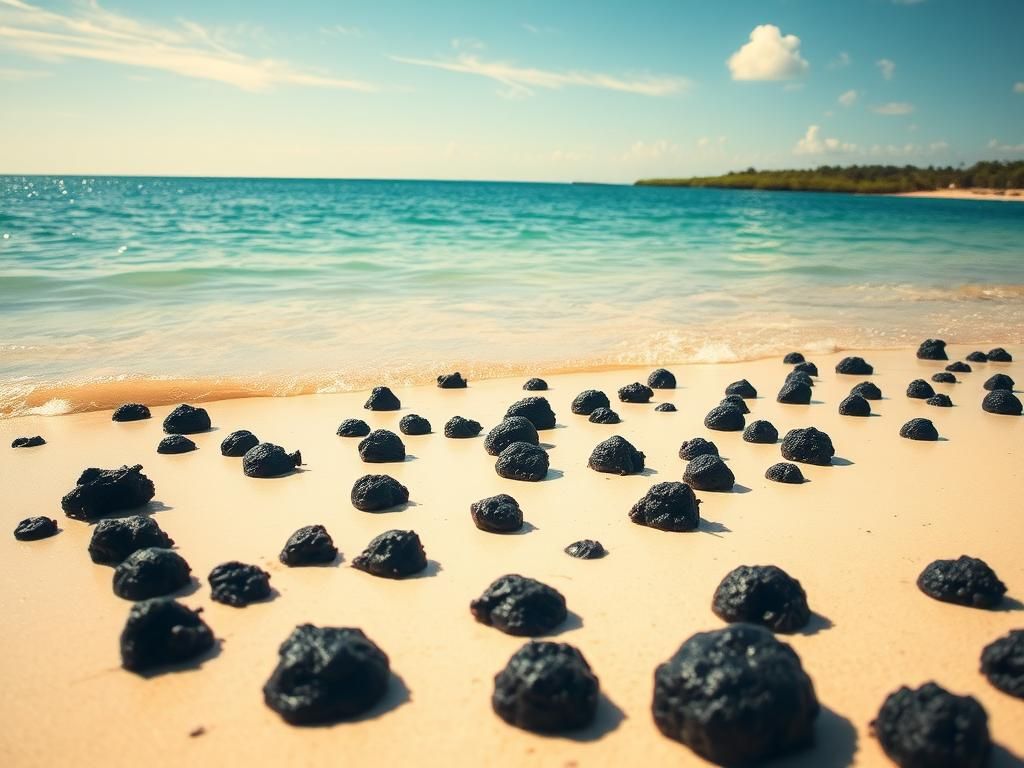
162	289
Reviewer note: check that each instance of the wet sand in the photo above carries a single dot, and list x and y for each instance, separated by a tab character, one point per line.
856	535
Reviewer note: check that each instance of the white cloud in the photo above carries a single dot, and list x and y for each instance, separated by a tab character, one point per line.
533	29
340	30
706	141
21	75
521	80
848	98
1007	148
938	146
887	67
189	50
1018	87
768	56
813	144
840	61
651	150
894	108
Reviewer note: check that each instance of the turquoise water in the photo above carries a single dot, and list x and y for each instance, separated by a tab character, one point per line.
284	286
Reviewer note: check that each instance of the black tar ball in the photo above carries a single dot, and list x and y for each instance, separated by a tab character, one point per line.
186	420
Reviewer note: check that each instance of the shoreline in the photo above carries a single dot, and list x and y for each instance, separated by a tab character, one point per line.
856	536
970	193
106	393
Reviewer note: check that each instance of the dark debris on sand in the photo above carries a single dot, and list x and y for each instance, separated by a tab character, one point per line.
100	492
761	431
151	572
709	473
382	399
920	389
459	428
535	385
35	528
546	687
515	429
269	460
854	366
808	446
381	446
186	420
114	540
589	400
670	506
162	631
697	446
239	443
784	472
794	392
309	545
393	554
855	405
603	416
518	605
375	493
1002	662
665	408
965	581
412	424
919	429
616	456
762	594
130	412
173	444
586	549
28	442
497	514
725	418
661	379
522	461
353	428
932	349
636	393
743	388
238	584
536	409
451	381
1003	402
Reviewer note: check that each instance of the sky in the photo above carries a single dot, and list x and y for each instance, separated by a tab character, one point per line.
553	90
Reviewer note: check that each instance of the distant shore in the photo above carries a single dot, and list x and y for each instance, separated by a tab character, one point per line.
970	193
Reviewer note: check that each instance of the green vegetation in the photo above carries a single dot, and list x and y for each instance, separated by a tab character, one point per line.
868	179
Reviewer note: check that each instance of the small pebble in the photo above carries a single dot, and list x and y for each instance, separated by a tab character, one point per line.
535	385
784	472
1002	662
761	431
854	366
310	545
603	416
589	400
616	456
162	631
547	688
516	429
536	409
451	381
709	473
326	675
932	349
665	408
940	401
919	429
944	377
392	555
930	727
269	460
375	493
809	446
353	428
130	412
497	514
725	418
920	389
35	528
743	388
381	446
382	399
1003	402
459	428
238	584
855	405
151	572
517	605
522	461
794	392
239	443
175	444
661	379
958	367
999	355
186	420
586	549
27	442
965	581
635	393
668	506
762	594
411	424
697	446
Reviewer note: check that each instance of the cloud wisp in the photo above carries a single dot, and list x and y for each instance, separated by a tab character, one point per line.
887	67
894	108
848	98
521	81
813	144
769	55
189	50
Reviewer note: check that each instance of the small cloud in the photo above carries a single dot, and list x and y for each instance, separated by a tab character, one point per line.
467	44
841	61
938	146
340	30
887	67
533	29
519	81
21	75
650	150
1018	87
768	56
894	108
848	98
813	144
706	141
1011	149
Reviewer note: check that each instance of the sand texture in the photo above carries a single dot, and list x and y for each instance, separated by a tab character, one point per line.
973	193
856	535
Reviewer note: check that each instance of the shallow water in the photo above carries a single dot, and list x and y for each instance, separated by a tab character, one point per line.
172	288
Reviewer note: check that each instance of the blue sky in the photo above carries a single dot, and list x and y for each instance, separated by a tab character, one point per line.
604	91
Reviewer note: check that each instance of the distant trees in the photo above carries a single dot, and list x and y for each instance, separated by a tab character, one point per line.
863	178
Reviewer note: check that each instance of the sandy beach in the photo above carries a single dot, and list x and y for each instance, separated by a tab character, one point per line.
1004	195
856	536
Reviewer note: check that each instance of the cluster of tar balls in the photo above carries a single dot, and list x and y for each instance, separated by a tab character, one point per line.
717	693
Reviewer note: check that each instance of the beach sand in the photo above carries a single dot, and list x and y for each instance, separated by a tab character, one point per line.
972	193
856	536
